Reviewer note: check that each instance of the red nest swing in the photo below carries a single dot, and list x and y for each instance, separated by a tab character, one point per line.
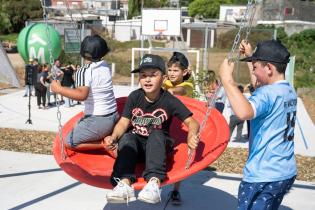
95	167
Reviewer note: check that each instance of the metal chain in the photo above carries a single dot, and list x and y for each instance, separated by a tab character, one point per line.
45	17
71	19
246	22
51	61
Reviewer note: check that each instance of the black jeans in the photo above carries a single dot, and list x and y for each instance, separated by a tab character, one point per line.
41	94
133	148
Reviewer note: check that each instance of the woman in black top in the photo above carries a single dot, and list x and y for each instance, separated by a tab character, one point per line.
40	86
67	81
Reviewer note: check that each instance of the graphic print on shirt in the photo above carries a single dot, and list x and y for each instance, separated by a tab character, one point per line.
143	122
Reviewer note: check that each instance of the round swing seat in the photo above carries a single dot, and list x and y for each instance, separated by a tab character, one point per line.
95	167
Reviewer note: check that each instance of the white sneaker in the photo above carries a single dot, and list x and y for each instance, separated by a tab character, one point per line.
122	193
151	192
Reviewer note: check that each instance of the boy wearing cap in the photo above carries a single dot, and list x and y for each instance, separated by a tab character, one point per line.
176	84
94	87
177	74
270	169
143	133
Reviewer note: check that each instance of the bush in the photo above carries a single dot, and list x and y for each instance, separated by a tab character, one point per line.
301	45
225	41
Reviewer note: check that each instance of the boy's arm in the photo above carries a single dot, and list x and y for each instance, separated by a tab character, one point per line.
119	129
193	128
79	94
240	105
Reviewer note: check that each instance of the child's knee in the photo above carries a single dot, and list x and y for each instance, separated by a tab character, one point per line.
128	139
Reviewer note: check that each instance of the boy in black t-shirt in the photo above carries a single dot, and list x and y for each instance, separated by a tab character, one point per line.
149	111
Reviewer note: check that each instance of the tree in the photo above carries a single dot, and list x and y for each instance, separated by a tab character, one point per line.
210	8
134	6
14	13
206	8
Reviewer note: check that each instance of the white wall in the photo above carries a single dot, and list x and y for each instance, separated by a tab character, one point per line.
127	30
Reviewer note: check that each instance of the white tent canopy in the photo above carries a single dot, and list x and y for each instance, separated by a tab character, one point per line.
7	72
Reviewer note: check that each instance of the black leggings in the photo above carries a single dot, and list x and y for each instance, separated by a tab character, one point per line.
40	93
133	148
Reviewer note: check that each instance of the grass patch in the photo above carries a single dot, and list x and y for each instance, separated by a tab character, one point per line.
9	37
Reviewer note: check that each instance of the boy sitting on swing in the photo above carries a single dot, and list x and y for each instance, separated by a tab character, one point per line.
177	84
149	111
94	87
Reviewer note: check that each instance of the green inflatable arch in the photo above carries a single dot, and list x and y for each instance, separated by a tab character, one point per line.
33	42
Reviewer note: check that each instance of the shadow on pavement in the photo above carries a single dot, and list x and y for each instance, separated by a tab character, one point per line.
29	172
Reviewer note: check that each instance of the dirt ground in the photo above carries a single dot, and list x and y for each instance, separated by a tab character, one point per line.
231	161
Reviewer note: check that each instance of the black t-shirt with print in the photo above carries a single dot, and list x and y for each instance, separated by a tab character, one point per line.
145	115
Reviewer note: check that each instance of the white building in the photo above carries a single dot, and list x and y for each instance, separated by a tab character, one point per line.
232	13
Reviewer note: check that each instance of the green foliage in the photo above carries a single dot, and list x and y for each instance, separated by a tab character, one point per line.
134	6
206	8
117	46
9	37
225	40
185	3
210	8
302	45
239	1
14	13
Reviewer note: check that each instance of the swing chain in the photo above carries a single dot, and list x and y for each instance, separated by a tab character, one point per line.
246	22
71	19
45	17
51	61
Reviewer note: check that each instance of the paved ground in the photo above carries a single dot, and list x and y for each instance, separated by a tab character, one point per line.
35	182
30	181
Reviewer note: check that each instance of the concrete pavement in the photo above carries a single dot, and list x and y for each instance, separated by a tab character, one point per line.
35	182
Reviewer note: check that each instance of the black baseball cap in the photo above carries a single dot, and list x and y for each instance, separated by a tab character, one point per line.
181	58
270	50
94	48
151	61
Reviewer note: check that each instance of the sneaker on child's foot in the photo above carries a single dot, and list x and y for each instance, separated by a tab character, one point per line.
151	192
122	193
175	198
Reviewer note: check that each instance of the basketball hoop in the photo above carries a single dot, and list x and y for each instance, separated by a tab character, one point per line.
159	32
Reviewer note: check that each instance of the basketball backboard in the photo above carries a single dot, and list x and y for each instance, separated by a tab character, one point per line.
161	22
